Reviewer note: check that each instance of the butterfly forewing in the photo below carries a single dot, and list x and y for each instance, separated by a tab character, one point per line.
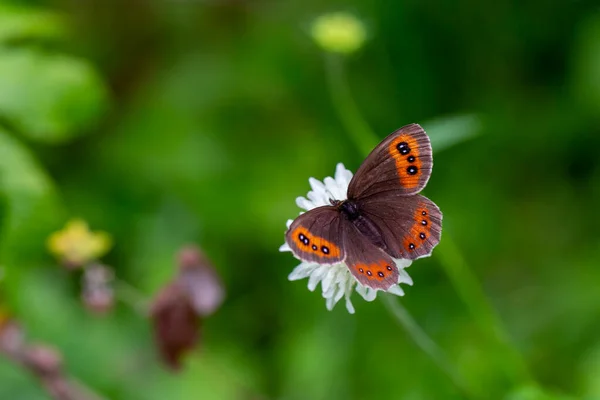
410	226
401	162
371	266
316	236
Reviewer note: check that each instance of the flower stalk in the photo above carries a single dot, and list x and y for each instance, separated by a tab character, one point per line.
425	343
43	362
469	290
461	277
345	106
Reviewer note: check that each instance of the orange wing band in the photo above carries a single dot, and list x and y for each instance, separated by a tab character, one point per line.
405	152
310	243
420	230
379	270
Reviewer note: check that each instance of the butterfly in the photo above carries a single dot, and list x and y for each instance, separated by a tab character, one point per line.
383	217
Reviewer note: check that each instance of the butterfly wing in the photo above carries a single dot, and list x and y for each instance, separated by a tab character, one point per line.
316	236
402	161
410	226
370	265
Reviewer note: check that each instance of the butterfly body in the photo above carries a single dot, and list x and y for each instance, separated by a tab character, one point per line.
350	209
383	217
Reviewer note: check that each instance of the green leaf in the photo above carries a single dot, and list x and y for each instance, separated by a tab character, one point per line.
587	63
49	98
448	131
536	393
31	207
25	22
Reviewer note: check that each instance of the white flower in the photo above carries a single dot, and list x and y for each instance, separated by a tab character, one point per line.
336	280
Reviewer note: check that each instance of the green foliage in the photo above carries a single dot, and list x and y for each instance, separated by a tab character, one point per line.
45	96
31	206
49	98
19	22
448	131
587	63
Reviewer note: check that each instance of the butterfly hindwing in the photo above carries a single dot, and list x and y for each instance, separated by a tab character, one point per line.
411	226
371	266
316	236
402	161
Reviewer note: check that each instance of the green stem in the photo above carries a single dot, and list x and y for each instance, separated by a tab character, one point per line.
132	297
347	110
429	347
469	290
462	278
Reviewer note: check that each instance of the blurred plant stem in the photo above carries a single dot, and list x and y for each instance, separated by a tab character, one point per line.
469	289
345	106
426	344
464	281
132	297
44	362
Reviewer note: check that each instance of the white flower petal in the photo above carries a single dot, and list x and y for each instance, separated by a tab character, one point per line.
402	263
370	294
339	293
336	295
397	290
284	247
361	290
333	188
330	291
329	303
348	290
302	271
316	185
317	199
288	223
329	279
342	176
318	195
405	278
315	278
304	203
349	305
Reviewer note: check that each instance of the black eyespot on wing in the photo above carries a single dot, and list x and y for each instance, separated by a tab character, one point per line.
410	226
388	165
316	236
403	148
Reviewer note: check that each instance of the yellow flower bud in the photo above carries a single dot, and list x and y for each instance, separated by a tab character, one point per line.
76	245
339	32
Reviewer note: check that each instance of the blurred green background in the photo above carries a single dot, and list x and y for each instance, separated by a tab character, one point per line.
199	121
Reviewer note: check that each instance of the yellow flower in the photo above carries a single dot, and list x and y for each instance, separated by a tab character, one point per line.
76	245
339	32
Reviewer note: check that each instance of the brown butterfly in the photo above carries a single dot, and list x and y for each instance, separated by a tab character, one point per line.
384	217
